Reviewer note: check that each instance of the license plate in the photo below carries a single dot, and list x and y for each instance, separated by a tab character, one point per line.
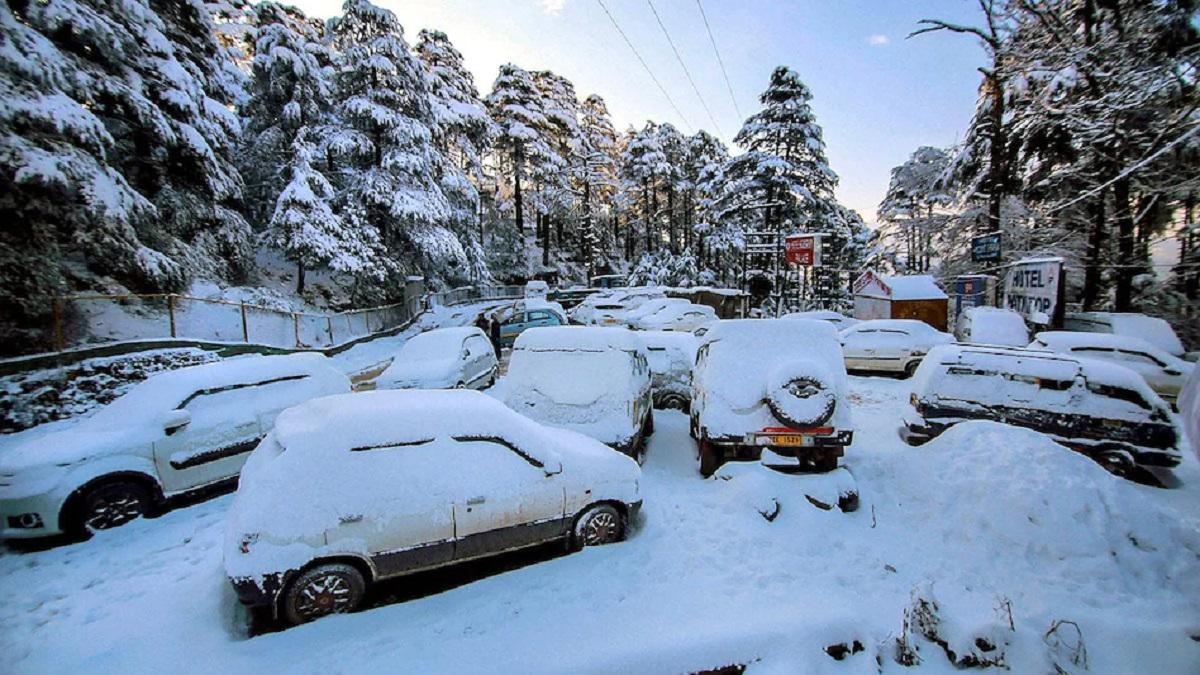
791	440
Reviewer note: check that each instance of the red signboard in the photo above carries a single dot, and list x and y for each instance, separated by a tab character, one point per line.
803	249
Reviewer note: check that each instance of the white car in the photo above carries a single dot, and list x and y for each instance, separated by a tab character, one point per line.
839	321
174	433
679	317
992	326
1152	329
536	290
671	355
890	345
444	358
1164	373
650	307
592	380
354	489
612	308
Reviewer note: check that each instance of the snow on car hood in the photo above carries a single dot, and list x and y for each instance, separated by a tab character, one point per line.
82	441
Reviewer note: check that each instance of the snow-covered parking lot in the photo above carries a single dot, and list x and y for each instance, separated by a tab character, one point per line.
992	540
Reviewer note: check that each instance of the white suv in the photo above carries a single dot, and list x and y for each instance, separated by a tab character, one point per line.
173	433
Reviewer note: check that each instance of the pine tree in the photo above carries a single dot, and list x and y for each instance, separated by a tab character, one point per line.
907	210
461	133
385	133
598	179
643	163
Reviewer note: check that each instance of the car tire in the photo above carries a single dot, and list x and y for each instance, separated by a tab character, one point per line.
801	394
649	424
108	505
329	588
599	524
910	368
710	458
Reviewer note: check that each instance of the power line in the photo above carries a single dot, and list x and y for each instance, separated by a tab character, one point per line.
719	60
643	62
679	58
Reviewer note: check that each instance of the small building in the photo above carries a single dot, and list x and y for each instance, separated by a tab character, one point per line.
900	297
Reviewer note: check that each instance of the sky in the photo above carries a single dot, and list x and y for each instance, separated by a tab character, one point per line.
877	95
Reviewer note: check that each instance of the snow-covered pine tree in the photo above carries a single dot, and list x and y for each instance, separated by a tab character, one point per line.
462	129
310	234
672	182
907	211
643	163
704	176
289	90
597	182
553	172
515	108
385	132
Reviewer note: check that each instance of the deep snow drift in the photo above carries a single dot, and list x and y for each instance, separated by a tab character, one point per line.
954	542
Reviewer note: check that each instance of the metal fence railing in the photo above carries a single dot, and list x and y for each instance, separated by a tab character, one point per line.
466	294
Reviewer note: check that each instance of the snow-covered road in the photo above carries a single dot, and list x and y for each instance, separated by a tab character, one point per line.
703	581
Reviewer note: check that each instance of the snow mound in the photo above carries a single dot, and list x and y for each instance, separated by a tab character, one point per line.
993	487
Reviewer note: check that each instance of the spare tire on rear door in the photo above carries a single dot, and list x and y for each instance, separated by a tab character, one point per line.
801	393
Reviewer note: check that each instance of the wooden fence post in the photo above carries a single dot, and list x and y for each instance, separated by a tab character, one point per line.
171	311
296	323
56	310
329	327
245	328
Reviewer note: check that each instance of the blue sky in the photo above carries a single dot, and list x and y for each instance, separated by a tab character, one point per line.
877	95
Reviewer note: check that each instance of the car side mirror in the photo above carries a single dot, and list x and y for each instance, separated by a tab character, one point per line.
174	420
1172	372
552	468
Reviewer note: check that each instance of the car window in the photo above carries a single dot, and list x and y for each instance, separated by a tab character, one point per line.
1139	358
539	315
1119	394
210	395
493	444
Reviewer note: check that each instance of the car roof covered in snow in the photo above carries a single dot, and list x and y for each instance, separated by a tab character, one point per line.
365	420
1152	329
453	333
822	314
660	339
768	333
893	324
577	338
1065	339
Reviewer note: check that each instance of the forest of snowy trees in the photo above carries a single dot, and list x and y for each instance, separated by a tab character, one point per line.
173	140
1085	143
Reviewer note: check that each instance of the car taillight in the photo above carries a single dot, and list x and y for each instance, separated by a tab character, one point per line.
912	398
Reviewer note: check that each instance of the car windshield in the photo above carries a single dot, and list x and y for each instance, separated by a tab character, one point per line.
430	345
572	377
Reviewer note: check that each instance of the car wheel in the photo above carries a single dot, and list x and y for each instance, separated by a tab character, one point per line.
460	385
710	458
1116	461
112	505
600	524
910	368
331	588
649	423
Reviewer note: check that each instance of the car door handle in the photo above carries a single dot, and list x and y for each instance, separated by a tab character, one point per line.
473	501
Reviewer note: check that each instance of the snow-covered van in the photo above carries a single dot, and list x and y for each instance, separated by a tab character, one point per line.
174	433
592	380
1097	408
353	489
771	390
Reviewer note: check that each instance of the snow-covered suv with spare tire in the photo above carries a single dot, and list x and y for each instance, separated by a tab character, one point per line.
175	433
770	390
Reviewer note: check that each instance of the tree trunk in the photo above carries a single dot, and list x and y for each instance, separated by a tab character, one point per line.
299	277
671	221
585	236
545	220
996	178
518	160
1125	246
652	223
1092	266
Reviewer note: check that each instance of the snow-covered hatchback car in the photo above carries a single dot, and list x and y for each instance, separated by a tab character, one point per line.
353	489
890	345
839	321
592	380
685	317
1100	409
444	358
770	390
1164	373
174	433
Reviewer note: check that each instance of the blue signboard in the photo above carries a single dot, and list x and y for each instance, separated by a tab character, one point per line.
986	248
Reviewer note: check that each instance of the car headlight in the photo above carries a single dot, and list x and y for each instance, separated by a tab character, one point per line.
248	540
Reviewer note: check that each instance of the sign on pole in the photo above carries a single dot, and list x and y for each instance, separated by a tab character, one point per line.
803	249
985	248
1032	288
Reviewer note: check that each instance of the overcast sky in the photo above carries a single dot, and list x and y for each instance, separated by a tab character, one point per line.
877	95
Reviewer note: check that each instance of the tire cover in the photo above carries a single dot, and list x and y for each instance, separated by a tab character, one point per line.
801	393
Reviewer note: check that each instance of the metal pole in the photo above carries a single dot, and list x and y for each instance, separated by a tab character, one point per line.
296	325
245	328
171	311
329	327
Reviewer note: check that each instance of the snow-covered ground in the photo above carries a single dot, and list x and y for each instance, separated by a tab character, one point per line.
987	528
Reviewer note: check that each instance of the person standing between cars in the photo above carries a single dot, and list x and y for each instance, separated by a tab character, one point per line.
494	335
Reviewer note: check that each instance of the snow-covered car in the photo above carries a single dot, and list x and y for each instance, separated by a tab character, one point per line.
443	358
174	433
685	317
614	306
890	345
1100	409
530	314
773	391
1164	373
650	307
354	489
592	380
992	326
536	289
1152	329
839	321
671	355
